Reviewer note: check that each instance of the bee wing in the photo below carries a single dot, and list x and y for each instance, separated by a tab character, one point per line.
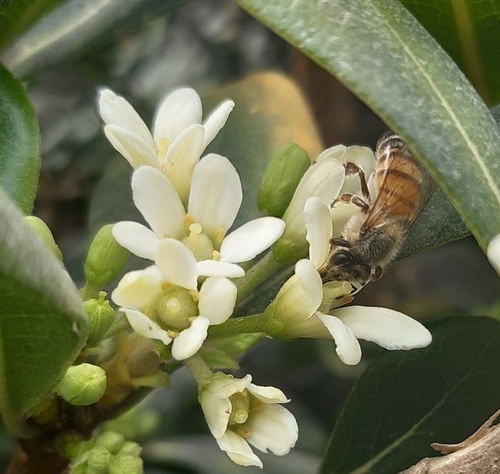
403	189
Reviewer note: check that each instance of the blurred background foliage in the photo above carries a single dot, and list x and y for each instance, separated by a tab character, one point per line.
145	50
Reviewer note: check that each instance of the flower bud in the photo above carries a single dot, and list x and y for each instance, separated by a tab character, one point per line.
99	460
126	464
100	316
111	440
82	384
105	258
283	174
43	231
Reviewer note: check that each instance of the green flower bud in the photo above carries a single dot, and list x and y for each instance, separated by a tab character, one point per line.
286	168
99	460
126	464
290	251
43	231
111	440
105	258
82	384
100	316
69	444
131	448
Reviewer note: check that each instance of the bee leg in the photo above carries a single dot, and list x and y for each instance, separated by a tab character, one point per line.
376	273
351	168
352	199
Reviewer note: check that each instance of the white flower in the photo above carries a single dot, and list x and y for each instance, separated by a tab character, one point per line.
240	413
299	300
326	180
214	200
179	137
163	302
493	252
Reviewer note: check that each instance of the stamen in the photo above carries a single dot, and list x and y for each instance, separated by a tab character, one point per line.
243	431
191	319
165	286
256	405
219	234
194	294
215	255
147	311
188	220
163	143
172	334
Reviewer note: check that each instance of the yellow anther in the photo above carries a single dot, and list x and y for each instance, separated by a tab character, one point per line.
256	405
194	295
191	319
243	431
215	255
219	234
165	285
147	311
163	143
188	220
172	334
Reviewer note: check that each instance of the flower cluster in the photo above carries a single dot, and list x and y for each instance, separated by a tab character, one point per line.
190	203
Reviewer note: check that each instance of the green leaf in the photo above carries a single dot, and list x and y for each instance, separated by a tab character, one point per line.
20	15
469	31
380	52
404	401
76	26
19	143
270	111
42	324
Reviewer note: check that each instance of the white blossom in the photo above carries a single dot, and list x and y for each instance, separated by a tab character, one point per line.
240	414
214	201
297	307
163	302
179	137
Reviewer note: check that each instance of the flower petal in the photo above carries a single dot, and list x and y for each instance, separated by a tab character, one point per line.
216	195
348	348
145	327
137	238
159	202
493	252
115	110
182	156
238	450
274	429
138	288
178	111
324	180
218	268
386	327
131	146
336	152
177	264
189	341
268	395
250	239
217	299
216	120
319	230
311	282
217	411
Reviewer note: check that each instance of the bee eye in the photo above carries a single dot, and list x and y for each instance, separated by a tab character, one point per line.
341	257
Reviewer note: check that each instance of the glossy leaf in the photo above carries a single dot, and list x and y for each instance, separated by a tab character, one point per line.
469	31
269	111
380	52
19	143
19	15
42	324
404	401
74	27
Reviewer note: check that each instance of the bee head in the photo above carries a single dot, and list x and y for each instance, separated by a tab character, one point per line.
342	265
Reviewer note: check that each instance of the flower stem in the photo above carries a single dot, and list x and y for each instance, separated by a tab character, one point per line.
247	324
257	274
199	369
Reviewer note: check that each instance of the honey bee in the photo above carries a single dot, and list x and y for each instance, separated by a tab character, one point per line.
372	237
